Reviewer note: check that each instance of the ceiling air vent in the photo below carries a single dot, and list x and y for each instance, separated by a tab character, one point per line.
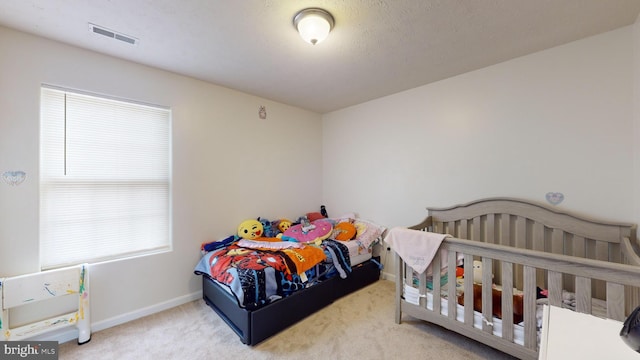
112	34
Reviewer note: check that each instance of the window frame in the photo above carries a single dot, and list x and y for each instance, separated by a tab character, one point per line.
122	184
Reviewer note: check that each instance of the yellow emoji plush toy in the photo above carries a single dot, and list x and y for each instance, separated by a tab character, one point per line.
284	224
250	229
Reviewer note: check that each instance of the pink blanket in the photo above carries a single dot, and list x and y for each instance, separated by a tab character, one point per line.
416	248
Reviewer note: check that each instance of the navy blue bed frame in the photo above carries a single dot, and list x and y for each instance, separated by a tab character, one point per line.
254	326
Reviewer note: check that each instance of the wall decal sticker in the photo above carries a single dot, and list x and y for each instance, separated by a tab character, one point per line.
554	198
14	178
262	112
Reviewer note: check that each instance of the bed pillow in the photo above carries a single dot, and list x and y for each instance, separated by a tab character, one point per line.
344	231
313	216
348	217
367	232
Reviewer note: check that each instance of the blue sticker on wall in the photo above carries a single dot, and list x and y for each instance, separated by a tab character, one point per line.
14	178
555	198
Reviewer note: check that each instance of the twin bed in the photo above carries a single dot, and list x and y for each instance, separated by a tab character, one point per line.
525	255
258	292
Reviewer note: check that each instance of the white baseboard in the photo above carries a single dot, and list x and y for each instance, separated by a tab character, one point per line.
388	276
71	333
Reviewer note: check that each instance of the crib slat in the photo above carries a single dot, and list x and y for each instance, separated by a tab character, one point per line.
435	263
422	287
555	288
490	229
579	246
458	226
615	301
557	242
507	300
407	271
529	304
601	253
537	237
475	230
451	276
491	237
583	294
487	294
468	290
538	243
602	250
567	249
615	254
463	231
400	281
521	233
436	226
505	229
453	228
443	227
520	242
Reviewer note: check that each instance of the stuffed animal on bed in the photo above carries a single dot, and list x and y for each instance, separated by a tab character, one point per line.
284	224
313	216
306	224
269	229
253	230
477	272
320	230
250	229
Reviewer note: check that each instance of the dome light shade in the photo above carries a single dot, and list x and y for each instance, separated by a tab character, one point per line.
313	24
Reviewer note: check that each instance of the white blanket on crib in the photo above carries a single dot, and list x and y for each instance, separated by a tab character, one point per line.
416	248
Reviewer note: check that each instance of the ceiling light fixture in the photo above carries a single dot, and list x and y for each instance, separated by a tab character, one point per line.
313	24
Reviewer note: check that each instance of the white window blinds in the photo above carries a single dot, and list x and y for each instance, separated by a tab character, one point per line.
104	178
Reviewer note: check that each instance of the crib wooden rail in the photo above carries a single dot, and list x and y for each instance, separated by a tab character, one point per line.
42	286
553	267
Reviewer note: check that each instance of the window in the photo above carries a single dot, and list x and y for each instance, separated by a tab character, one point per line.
105	184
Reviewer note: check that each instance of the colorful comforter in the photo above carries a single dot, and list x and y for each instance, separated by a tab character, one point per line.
258	275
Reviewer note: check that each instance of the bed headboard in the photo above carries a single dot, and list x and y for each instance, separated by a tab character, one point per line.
524	224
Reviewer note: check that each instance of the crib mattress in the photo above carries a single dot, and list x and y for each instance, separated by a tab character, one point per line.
413	296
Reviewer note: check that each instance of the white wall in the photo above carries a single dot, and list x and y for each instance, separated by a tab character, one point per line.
228	166
559	120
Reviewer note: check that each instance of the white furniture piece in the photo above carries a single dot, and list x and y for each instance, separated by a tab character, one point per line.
569	334
40	287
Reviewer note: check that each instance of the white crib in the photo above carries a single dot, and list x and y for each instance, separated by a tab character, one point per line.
27	289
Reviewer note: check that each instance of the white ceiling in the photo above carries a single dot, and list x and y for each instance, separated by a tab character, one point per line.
377	48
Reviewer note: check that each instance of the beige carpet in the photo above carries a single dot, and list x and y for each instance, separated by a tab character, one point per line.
358	326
